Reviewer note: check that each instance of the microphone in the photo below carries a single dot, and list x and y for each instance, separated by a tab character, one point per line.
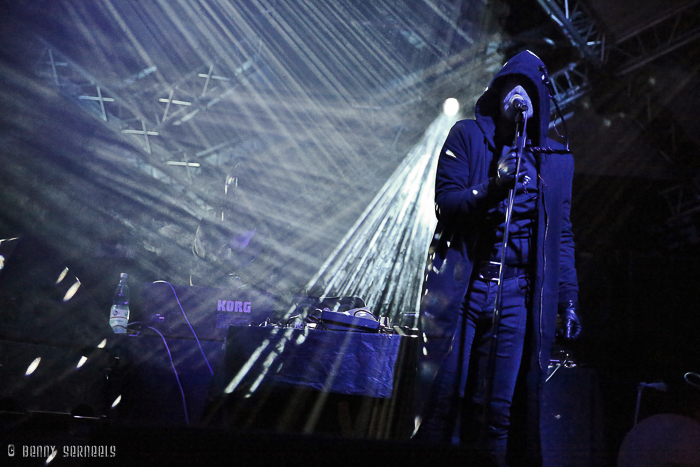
517	102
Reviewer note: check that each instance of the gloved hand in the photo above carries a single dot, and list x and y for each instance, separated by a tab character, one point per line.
570	326
505	173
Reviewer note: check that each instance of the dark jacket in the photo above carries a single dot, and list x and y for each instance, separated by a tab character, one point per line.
464	191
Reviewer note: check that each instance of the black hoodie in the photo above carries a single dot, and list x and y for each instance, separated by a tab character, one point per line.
464	192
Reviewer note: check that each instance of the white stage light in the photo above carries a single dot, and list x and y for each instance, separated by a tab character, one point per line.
450	107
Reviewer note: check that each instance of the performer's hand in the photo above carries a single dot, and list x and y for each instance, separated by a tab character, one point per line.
505	174
570	325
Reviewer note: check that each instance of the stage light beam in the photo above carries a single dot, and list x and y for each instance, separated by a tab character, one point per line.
381	257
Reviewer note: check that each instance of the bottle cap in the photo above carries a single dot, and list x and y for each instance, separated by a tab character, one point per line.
124	275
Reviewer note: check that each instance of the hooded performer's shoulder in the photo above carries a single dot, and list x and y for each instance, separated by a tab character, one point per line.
466	125
467	130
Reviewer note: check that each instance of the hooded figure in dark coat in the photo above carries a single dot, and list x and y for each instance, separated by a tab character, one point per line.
476	170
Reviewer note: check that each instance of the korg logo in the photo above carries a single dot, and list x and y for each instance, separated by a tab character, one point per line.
231	305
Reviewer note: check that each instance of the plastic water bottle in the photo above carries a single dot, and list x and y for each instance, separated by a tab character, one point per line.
119	314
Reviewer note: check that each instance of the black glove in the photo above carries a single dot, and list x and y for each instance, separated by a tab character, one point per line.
570	326
505	174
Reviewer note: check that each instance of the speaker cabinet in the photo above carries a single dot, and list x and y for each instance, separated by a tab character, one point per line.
572	420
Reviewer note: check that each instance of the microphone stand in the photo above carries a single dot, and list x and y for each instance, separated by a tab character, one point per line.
496	321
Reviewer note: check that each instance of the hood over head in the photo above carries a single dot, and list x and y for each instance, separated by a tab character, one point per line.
527	66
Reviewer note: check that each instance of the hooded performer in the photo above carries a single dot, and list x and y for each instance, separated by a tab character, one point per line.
476	170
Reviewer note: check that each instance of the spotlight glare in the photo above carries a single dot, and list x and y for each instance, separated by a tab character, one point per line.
450	107
71	292
32	366
51	456
62	276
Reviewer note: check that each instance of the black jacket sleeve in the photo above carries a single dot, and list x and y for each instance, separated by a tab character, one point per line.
462	186
568	282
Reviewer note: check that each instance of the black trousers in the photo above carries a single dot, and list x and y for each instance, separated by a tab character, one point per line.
457	403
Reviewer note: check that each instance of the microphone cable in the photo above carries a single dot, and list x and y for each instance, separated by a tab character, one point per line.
188	323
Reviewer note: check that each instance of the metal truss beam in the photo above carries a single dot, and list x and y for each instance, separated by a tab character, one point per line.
679	149
681	228
569	83
646	43
683	200
655	39
100	98
579	26
642	45
137	106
